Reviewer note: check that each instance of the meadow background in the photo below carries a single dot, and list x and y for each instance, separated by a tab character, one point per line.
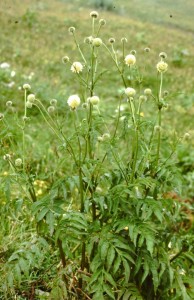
34	38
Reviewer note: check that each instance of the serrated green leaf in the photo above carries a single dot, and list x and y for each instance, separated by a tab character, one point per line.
182	287
127	269
24	266
104	249
127	295
116	264
17	273
50	220
109	278
128	257
10	280
110	257
171	275
150	243
146	271
109	291
95	276
138	263
42	214
158	213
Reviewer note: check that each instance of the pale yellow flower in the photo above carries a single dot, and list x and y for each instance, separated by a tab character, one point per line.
31	98
147	92
74	101
96	42
130	92
162	66
130	59
76	67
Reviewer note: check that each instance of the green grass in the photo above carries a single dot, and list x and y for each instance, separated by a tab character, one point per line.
34	37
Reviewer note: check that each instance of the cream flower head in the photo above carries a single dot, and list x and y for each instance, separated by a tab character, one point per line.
31	98
76	67
96	42
147	92
18	162
162	66
94	100
130	59
130	92
74	101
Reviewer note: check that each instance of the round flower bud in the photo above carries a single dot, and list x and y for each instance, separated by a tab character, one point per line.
133	52
147	49
96	42
163	55
71	30
1	116
31	98
9	103
147	92
65	59
162	67
130	59
29	104
124	40
88	40
102	22
94	100
18	162
7	157
74	101
26	86
111	40
130	92
85	105
76	67
53	102
94	14
51	109
142	98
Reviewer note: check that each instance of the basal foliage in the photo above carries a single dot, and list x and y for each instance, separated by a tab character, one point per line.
108	222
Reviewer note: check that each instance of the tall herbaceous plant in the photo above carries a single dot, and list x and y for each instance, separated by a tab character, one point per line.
108	218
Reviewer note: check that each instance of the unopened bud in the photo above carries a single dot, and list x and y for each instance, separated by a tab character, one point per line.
96	42
53	102
18	162
51	109
94	14
111	40
102	22
26	86
71	30
31	98
9	103
65	59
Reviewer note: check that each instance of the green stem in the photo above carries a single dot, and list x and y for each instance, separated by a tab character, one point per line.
135	154
23	129
120	71
159	136
79	49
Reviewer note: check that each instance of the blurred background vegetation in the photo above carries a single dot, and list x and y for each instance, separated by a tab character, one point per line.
34	38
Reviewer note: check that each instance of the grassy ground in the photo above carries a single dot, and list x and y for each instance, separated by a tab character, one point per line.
34	38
